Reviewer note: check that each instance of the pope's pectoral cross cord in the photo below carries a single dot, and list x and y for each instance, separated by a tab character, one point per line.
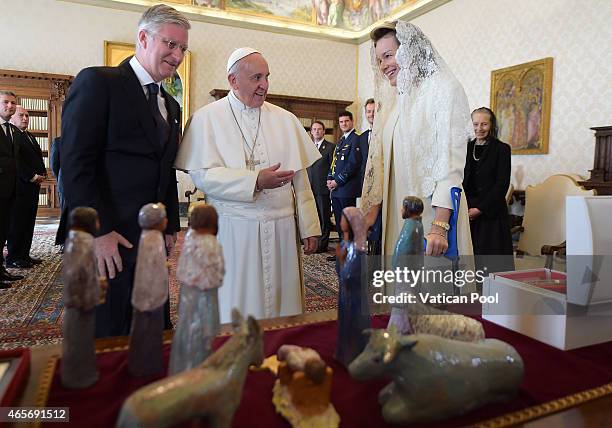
251	162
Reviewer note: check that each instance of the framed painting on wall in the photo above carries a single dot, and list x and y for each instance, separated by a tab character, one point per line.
177	85
521	98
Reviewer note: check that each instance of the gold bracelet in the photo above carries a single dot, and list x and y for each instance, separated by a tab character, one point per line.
441	224
439	234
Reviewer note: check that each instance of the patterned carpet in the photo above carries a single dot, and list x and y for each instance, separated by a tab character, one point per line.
31	311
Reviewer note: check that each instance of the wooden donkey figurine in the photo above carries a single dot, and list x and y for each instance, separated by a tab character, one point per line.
211	390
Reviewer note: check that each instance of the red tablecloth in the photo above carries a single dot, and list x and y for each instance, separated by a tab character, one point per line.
549	374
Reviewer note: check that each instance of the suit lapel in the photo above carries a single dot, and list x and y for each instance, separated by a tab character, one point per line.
136	94
32	141
174	120
4	142
322	146
15	137
173	109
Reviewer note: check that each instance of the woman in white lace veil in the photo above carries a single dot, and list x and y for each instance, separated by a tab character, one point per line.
420	134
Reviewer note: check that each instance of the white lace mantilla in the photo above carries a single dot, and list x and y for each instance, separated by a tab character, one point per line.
434	117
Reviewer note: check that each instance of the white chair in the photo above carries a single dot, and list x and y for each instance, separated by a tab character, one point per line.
510	194
543	230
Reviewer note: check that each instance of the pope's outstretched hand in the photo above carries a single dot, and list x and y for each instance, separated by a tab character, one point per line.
273	177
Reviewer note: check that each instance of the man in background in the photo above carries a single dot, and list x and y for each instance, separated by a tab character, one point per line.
317	174
31	173
120	135
54	161
375	233
364	139
344	180
8	176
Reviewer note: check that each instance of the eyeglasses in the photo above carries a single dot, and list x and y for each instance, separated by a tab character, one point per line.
172	45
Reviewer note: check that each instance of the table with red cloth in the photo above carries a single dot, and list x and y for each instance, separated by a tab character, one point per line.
553	380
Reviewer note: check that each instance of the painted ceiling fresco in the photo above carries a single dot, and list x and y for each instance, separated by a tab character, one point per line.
354	15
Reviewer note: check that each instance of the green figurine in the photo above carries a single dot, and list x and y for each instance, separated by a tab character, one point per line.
409	253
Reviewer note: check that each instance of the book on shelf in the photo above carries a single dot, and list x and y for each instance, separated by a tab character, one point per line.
38	123
305	121
43	199
34	103
329	124
43	142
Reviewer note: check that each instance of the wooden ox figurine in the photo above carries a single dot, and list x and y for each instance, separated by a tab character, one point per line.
211	390
437	378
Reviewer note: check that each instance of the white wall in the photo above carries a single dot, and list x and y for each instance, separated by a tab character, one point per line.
61	37
473	36
478	36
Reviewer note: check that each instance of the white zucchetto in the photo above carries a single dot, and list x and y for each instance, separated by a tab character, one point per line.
238	54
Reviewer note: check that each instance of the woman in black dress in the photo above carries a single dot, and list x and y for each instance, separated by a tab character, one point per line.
486	180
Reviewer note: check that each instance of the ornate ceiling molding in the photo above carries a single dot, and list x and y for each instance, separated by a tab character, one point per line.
270	23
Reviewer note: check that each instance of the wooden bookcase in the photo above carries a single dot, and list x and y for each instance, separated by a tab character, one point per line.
43	95
307	110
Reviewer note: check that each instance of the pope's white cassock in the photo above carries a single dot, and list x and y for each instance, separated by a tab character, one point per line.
257	229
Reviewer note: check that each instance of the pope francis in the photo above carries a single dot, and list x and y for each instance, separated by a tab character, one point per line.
249	158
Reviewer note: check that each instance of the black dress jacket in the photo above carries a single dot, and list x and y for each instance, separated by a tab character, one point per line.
486	181
9	153
318	171
30	163
111	158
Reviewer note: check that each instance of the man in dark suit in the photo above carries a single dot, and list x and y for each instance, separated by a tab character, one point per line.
54	161
364	139
343	179
120	135
317	174
375	232
31	173
9	152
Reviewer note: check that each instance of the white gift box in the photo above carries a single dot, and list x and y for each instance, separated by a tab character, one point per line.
537	304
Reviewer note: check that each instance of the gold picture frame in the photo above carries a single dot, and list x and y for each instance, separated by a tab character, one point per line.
521	100
115	52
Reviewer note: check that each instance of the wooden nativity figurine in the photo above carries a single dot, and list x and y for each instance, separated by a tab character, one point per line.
417	317
82	292
149	293
409	253
210	391
353	305
435	378
200	273
302	392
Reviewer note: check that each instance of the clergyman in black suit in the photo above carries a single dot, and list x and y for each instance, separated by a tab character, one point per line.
120	135
317	174
31	173
9	152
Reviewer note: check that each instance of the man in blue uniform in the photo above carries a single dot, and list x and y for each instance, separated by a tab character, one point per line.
344	178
